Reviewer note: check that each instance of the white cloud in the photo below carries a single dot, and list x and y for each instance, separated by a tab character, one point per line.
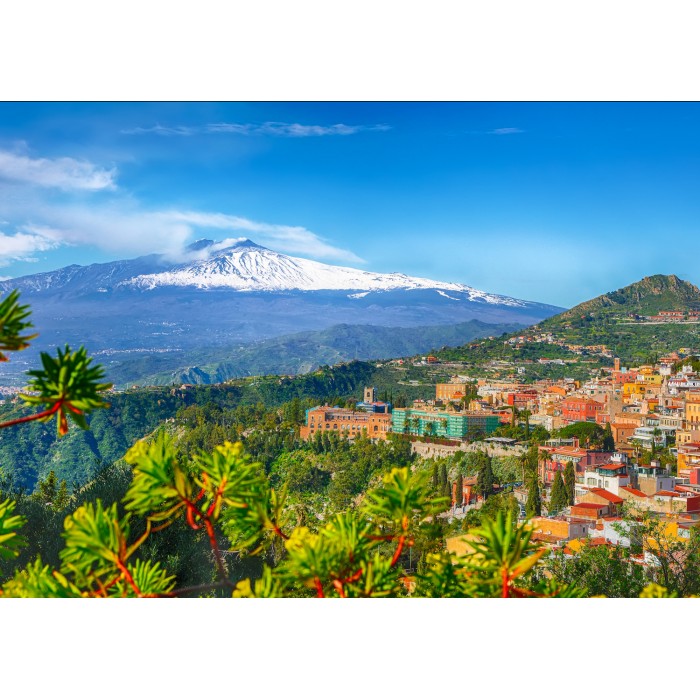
266	128
504	131
126	229
288	239
21	246
61	173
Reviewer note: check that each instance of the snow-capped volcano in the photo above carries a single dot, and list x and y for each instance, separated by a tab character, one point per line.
218	294
246	266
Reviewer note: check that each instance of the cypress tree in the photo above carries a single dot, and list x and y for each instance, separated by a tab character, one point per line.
608	441
485	478
62	497
570	481
559	498
436	479
460	489
533	506
447	491
443	476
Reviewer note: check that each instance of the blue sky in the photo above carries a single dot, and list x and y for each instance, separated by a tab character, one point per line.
553	202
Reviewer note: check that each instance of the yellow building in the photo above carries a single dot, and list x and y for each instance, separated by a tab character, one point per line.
450	392
692	411
633	389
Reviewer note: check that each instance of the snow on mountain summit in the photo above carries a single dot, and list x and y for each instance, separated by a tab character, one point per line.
246	266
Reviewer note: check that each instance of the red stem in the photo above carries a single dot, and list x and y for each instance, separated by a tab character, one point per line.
319	588
36	416
128	577
399	548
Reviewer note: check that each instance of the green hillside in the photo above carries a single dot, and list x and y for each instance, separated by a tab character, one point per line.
616	320
298	353
646	297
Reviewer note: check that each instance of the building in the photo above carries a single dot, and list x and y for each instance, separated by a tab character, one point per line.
651	478
450	392
688	458
553	459
604	498
455	425
345	422
575	409
611	477
556	530
622	432
692	411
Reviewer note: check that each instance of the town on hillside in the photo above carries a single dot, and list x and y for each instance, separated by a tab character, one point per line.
645	459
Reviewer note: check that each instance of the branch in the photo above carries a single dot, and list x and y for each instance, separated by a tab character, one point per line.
36	416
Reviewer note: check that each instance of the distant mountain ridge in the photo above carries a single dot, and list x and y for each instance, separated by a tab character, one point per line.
219	295
300	353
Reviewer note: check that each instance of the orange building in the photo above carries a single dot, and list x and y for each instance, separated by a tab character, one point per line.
576	409
621	432
344	421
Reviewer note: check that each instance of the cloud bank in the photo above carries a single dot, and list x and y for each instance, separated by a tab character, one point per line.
265	129
34	220
61	173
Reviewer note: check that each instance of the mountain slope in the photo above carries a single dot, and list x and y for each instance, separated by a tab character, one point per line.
646	297
617	320
298	353
246	266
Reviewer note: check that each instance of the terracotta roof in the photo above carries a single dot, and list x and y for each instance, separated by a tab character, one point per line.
607	495
589	506
666	493
633	491
611	467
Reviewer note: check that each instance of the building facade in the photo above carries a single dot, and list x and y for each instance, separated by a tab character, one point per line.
447	424
345	422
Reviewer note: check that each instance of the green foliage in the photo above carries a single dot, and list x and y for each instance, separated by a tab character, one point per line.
559	498
608	444
533	506
69	386
601	569
13	321
501	565
587	433
674	561
570	482
485	479
10	540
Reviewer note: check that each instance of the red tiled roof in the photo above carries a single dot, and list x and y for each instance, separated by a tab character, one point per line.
588	506
666	493
607	495
612	467
633	491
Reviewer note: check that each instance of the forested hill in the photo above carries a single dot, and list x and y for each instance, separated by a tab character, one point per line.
646	297
297	353
618	321
28	452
